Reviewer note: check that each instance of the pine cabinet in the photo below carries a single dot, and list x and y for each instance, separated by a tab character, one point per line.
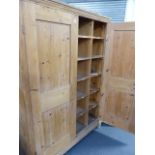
62	75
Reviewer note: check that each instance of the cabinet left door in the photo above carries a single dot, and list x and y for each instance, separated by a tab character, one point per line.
51	50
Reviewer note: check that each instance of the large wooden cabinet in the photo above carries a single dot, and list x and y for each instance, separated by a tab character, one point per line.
62	75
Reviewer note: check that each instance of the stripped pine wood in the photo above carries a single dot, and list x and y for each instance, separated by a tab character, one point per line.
119	98
69	81
50	43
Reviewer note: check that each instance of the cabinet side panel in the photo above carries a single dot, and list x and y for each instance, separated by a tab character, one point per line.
26	138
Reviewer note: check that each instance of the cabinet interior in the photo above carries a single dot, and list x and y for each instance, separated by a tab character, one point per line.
85	26
89	71
99	29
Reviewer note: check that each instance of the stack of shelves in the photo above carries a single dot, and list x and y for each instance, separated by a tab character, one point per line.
89	71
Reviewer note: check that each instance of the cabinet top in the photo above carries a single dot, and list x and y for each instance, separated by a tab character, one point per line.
75	10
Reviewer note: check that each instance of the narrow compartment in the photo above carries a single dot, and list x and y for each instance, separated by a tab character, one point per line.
84	48
81	122
82	89
99	29
79	126
81	107
96	67
83	69
95	83
98	47
85	26
93	115
94	101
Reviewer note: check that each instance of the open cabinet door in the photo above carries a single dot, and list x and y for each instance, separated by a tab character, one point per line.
118	108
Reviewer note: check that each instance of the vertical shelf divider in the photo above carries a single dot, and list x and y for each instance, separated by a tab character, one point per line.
89	82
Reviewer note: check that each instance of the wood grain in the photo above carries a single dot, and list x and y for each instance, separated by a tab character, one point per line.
119	97
48	74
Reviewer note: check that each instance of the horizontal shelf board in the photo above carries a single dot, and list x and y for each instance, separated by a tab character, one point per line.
79	127
94	37
95	74
79	79
87	128
80	112
91	119
94	90
82	78
97	57
88	58
90	37
85	37
92	105
81	95
87	77
83	58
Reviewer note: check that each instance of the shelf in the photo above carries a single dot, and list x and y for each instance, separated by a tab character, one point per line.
95	82
91	119
98	47
82	78
82	107
95	74
99	29
96	66
84	47
83	69
85	26
94	90
93	115
92	104
79	127
80	112
81	122
97	57
85	37
90	37
94	100
82	88
98	38
83	58
88	58
81	95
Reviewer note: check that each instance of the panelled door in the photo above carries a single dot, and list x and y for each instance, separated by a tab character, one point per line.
119	97
51	45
